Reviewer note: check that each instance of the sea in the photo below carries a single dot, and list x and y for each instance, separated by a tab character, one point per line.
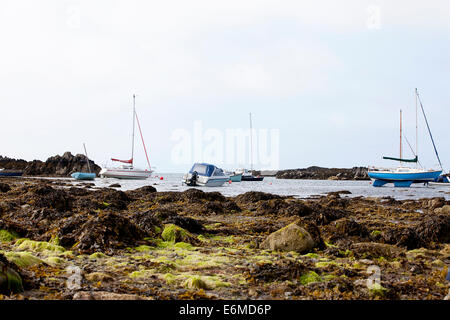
285	187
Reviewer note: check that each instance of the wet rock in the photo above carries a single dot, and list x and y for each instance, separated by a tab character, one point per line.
4	187
115	185
144	190
443	210
338	193
289	238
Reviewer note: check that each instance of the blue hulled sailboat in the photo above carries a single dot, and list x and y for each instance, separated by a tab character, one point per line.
403	176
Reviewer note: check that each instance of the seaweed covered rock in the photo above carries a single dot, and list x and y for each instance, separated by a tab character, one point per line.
196	195
167	216
290	238
10	280
45	196
427	233
101	233
4	187
323	215
255	196
346	228
174	233
280	271
373	250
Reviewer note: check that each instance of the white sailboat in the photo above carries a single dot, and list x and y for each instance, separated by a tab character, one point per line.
128	170
247	175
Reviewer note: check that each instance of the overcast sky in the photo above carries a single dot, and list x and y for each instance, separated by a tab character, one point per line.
331	76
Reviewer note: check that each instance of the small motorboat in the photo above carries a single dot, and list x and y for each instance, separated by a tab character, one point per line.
247	175
205	175
10	173
234	177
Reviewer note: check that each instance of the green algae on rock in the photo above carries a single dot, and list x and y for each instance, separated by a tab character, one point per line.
8	236
38	246
22	259
174	233
10	280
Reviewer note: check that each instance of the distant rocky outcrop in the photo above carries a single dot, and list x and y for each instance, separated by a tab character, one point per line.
318	173
56	166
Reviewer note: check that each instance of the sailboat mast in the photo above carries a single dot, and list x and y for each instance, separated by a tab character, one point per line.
132	141
87	159
417	129
401	136
251	145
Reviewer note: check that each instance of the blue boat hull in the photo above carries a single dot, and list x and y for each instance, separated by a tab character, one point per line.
10	174
236	177
403	179
83	176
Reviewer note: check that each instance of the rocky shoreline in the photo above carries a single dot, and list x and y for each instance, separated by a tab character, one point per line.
319	173
56	166
58	241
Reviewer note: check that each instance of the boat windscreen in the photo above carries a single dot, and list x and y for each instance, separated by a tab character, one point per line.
202	169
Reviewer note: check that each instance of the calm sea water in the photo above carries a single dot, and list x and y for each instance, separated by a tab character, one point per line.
297	188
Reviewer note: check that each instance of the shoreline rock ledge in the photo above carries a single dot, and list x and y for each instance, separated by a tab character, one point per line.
56	166
319	173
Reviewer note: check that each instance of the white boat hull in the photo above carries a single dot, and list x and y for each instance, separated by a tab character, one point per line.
203	181
129	174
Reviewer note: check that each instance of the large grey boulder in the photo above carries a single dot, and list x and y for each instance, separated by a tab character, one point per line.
290	238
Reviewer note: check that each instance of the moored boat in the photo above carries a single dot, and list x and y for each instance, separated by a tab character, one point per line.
405	176
247	175
402	176
10	173
84	175
205	175
128	170
236	177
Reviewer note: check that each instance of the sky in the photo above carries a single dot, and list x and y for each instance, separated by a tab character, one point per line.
324	80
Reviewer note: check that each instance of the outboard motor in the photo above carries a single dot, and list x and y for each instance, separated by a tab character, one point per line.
193	180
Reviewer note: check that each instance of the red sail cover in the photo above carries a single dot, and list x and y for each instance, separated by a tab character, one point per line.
124	161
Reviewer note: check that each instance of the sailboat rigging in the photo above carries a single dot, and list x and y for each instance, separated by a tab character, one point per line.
128	171
405	176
